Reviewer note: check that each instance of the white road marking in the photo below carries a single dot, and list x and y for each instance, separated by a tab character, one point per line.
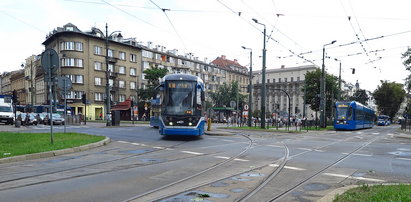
407	159
123	142
227	140
190	152
351	177
222	157
358	154
288	167
135	144
158	147
275	146
306	149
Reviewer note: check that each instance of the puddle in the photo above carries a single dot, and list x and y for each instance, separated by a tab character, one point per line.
219	184
196	196
151	160
237	190
139	151
316	187
358	174
240	179
252	175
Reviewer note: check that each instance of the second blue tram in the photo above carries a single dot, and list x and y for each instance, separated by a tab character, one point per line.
182	105
352	116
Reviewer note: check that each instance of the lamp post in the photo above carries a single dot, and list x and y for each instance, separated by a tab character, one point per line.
108	97
323	122
263	79
339	80
250	88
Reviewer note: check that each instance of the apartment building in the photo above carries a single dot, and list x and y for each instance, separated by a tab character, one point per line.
234	72
83	60
289	79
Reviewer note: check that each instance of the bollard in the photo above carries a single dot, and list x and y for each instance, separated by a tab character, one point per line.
17	124
209	124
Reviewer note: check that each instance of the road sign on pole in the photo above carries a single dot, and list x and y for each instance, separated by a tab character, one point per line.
245	107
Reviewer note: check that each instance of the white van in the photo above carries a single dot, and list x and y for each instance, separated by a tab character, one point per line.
6	110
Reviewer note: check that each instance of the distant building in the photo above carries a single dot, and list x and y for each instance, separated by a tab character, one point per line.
234	72
289	79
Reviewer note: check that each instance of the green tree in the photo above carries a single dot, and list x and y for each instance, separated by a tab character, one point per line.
388	97
312	85
360	96
227	93
153	75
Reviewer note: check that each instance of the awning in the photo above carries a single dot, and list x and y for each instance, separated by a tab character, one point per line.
123	106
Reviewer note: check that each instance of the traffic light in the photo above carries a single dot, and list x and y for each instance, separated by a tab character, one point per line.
353	70
14	97
83	98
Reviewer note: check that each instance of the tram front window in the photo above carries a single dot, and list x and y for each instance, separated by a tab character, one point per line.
180	98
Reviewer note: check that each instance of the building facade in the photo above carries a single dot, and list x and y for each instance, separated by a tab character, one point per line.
288	79
234	72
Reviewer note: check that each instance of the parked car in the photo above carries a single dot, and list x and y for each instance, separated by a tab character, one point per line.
57	119
28	119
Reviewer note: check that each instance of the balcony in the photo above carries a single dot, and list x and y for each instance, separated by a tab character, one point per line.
112	75
112	59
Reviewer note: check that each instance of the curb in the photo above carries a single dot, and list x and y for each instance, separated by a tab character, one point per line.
55	153
218	133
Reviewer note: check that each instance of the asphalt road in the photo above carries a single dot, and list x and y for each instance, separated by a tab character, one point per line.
140	165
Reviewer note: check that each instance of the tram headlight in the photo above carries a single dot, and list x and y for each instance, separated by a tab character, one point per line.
170	123
190	124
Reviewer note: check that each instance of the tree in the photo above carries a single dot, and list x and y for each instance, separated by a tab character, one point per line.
389	97
227	93
312	85
360	96
153	75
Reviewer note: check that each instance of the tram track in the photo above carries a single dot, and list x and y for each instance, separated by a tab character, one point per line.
277	172
44	176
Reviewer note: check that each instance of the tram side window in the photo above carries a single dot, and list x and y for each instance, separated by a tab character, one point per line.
350	113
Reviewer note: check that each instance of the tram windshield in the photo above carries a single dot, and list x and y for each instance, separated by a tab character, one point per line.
179	98
344	112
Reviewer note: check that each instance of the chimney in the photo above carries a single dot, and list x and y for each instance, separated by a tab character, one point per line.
282	66
235	60
223	57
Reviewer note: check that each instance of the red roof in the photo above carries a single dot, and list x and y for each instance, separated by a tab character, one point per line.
225	63
126	105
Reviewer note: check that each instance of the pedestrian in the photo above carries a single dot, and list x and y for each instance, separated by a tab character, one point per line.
101	116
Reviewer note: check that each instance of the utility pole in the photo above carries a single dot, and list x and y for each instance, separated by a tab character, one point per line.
250	88
323	121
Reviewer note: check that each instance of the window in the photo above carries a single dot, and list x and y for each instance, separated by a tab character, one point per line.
133	97
132	85
69	28
273	80
122	70
97	50
132	71
279	80
67	45
146	65
71	62
111	67
79	46
292	79
98	66
98	96
285	80
110	53
98	81
147	54
133	58
75	78
121	84
111	82
122	55
122	98
74	94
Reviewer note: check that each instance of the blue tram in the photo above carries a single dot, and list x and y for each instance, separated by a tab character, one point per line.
352	116
182	105
383	120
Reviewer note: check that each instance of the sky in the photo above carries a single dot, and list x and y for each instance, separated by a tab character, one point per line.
370	35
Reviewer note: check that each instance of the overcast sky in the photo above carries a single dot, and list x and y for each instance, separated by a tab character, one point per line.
371	34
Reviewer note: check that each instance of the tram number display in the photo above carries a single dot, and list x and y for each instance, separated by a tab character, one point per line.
179	85
342	105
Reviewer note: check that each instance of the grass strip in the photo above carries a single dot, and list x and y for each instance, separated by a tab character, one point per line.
376	193
14	144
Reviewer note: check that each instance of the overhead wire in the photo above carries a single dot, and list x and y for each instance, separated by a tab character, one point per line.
171	23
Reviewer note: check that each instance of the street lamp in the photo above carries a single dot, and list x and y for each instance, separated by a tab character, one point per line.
323	122
339	80
108	97
250	87
263	79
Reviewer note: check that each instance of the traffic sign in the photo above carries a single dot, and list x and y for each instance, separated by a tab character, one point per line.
64	82
50	60
245	107
232	104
